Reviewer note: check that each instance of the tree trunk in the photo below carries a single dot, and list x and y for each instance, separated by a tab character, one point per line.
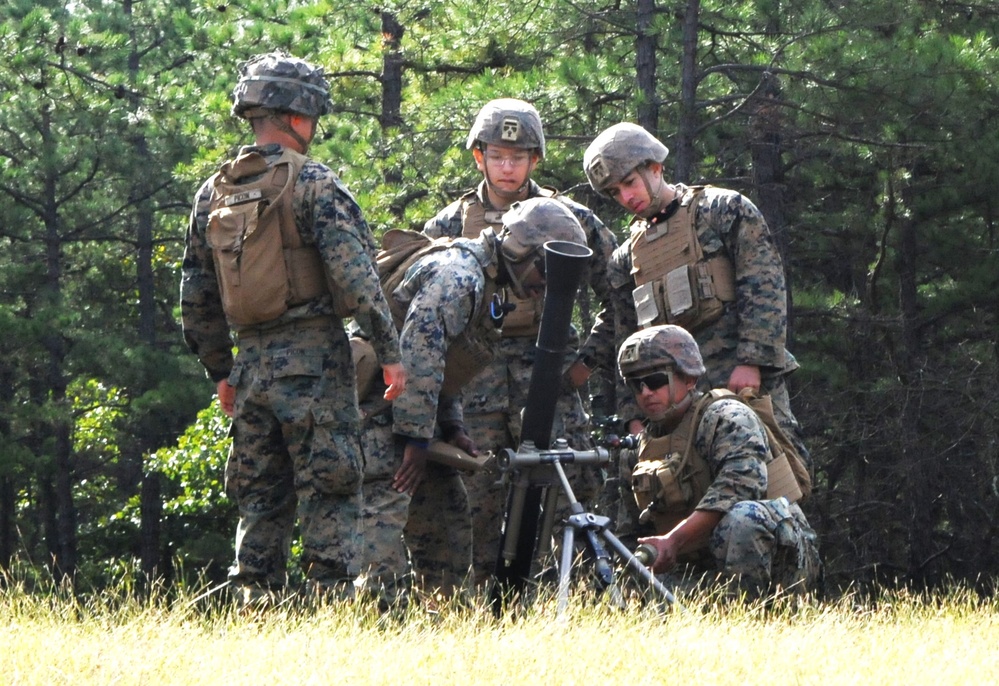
683	165
768	172
645	68
392	32
150	505
58	429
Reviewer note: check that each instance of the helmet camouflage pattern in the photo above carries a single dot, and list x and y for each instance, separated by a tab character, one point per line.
617	151
508	121
277	81
531	223
657	348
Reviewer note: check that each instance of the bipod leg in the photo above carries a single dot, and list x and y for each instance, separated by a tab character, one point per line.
565	569
592	525
641	571
589	525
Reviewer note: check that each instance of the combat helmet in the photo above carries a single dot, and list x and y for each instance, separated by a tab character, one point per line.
658	348
508	121
531	223
278	82
617	151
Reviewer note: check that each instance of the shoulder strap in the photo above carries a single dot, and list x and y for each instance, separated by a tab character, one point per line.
780	444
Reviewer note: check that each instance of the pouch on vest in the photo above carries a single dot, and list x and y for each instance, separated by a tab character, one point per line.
467	355
787	473
667	489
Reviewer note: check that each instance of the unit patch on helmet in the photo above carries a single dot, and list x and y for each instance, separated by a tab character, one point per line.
629	353
598	170
510	129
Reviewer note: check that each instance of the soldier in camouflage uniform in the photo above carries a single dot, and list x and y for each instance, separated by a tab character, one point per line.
725	517
451	329
290	390
507	143
743	345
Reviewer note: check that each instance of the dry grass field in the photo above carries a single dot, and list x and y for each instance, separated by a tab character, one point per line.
900	638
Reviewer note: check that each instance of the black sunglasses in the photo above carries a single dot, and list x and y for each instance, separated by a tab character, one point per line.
653	381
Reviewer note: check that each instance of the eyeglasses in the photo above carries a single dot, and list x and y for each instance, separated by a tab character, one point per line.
515	160
653	382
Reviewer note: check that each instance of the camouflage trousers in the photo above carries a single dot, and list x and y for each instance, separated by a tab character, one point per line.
294	455
767	546
425	539
439	532
385	567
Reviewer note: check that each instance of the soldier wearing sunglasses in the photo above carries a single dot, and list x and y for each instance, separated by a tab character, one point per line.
703	492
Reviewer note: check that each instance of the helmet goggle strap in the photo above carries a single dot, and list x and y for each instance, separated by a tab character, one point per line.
519	270
276	119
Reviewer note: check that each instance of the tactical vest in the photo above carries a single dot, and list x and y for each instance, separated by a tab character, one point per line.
675	283
525	318
474	348
671	477
261	263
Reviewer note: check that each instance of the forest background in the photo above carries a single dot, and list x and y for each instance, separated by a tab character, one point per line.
865	132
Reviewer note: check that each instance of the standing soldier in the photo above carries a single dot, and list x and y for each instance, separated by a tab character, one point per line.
453	309
702	258
507	143
277	252
707	475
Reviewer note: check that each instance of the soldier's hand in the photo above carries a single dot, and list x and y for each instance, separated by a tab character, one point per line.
395	380
744	376
227	396
413	469
666	552
462	440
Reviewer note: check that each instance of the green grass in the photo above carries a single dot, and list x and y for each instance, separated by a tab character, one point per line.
111	638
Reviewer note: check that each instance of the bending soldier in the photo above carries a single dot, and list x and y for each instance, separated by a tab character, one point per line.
453	308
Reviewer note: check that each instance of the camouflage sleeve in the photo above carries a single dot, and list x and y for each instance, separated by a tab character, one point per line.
607	332
206	331
733	441
349	250
440	291
446	223
761	296
450	410
602	242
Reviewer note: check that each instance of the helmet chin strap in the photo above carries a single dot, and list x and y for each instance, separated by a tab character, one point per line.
654	195
508	196
516	271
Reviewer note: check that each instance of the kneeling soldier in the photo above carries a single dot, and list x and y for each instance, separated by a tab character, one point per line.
705	477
